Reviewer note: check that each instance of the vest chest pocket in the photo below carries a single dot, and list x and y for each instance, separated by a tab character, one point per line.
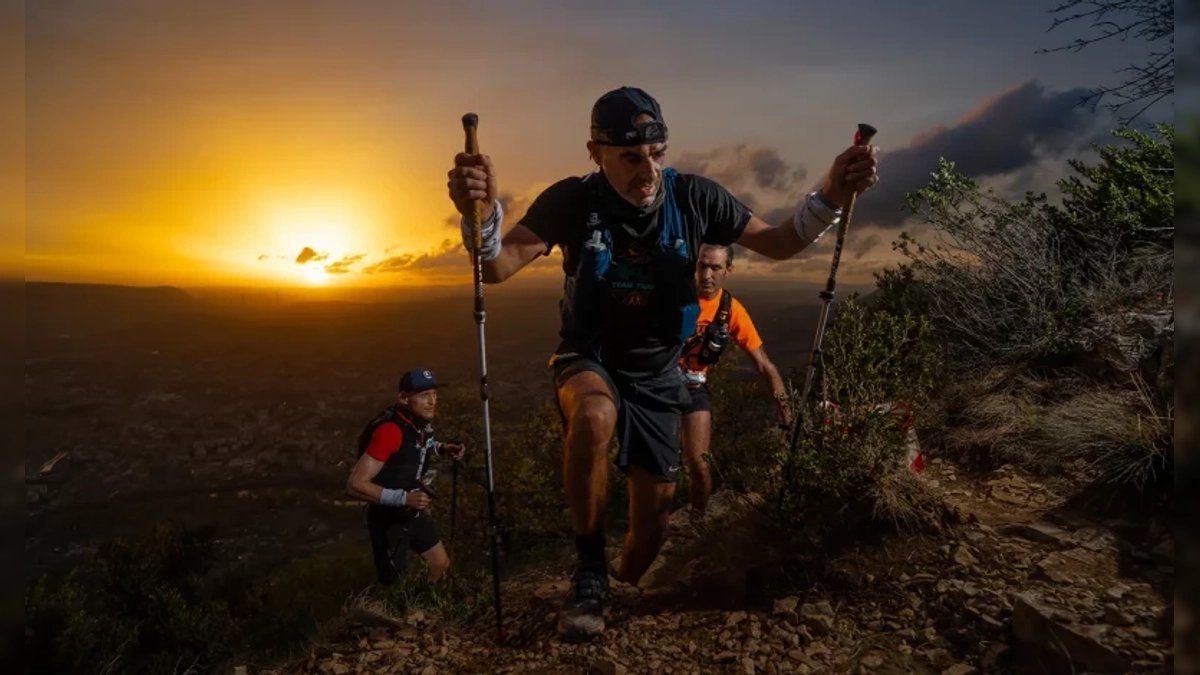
597	254
665	272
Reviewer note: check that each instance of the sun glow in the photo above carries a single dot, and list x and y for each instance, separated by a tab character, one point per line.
327	229
314	274
313	233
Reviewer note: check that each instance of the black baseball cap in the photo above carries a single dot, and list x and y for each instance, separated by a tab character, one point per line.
613	118
418	380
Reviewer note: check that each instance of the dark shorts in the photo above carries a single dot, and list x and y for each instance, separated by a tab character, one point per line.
394	532
649	415
700	399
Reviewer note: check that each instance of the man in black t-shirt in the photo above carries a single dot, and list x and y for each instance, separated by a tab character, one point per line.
630	233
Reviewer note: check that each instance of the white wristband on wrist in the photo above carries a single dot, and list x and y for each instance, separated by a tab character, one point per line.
814	216
392	497
490	231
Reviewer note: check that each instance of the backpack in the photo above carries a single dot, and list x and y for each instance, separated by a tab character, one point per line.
708	346
588	274
383	417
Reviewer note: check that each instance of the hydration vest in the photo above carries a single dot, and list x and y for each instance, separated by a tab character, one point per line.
706	348
403	470
675	305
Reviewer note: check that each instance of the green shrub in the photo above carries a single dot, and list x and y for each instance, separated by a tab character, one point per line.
155	604
141	607
1015	282
743	429
532	500
1026	295
876	365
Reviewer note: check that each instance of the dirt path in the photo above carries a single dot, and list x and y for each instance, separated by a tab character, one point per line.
1020	587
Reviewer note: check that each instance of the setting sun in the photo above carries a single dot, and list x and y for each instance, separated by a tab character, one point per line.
314	275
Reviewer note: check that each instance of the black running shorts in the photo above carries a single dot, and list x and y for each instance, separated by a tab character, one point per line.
649	414
394	532
700	399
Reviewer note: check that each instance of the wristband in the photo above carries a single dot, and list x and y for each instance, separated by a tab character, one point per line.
826	208
814	217
490	231
392	497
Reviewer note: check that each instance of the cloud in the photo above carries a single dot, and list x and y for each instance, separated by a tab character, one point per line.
1016	140
745	170
862	246
758	176
514	206
861	258
343	266
1009	132
447	254
307	255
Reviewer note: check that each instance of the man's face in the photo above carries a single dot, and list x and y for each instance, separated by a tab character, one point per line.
634	172
711	269
423	403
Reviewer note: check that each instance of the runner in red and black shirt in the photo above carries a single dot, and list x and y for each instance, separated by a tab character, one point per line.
395	451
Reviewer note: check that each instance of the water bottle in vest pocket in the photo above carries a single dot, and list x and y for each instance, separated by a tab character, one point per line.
598	253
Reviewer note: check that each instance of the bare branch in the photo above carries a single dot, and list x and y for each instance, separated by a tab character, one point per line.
1150	21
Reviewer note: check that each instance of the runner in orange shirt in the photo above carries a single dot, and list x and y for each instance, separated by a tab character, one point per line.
703	350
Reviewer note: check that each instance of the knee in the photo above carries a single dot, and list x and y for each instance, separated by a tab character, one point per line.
664	502
595	417
694	447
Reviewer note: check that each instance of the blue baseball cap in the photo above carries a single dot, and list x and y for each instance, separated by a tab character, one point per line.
418	380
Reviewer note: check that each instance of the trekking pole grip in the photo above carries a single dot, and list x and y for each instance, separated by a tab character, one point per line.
861	137
470	123
864	134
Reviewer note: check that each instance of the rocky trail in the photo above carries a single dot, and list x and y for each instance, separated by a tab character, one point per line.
1018	586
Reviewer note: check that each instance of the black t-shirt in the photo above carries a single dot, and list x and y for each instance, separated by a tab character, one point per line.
630	342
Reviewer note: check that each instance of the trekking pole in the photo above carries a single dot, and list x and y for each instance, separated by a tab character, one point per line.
862	137
453	497
470	122
453	512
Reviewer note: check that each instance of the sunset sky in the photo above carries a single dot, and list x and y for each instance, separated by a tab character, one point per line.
293	143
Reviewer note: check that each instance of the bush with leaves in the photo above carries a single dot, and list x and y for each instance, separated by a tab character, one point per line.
743	422
877	365
1025	295
1015	282
533	505
141	607
157	604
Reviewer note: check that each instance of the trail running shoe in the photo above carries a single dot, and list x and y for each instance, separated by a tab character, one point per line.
582	613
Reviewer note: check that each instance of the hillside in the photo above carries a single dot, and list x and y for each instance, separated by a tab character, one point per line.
167	399
1035	346
67	309
1014	582
1040	389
